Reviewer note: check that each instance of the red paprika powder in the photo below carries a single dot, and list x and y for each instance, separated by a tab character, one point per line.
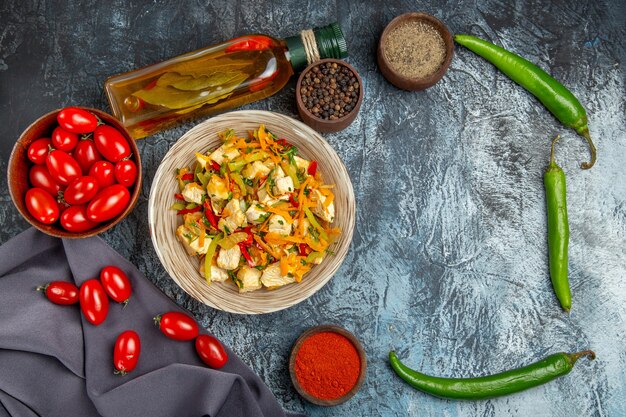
327	365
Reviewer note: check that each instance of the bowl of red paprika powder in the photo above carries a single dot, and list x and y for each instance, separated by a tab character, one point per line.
327	365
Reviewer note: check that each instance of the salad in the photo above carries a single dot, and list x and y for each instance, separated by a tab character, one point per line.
255	212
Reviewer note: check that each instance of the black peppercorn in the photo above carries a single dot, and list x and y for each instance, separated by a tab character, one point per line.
330	91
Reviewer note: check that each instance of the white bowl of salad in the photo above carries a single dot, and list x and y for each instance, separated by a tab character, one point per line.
251	212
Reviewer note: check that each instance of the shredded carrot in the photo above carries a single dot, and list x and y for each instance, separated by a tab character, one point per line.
201	238
329	199
284	214
258	240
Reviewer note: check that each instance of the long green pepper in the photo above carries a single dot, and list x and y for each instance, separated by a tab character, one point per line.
552	94
558	229
490	386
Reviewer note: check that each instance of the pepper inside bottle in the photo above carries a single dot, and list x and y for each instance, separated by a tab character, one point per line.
199	83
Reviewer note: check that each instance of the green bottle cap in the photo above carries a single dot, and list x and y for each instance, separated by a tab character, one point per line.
319	43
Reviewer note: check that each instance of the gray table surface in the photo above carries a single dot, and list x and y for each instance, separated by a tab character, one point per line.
449	260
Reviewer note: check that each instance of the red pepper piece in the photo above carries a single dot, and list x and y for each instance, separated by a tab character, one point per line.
246	255
250	239
151	85
179	196
210	216
187	177
293	201
215	165
304	249
312	170
249	43
187	211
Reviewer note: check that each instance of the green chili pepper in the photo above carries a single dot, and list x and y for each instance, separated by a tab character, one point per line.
552	94
490	386
558	230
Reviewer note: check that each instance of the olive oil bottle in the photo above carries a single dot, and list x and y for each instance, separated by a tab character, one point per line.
216	78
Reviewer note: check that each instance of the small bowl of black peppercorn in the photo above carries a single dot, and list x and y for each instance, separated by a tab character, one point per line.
329	95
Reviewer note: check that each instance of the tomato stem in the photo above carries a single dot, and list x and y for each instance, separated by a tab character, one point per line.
42	288
125	302
157	320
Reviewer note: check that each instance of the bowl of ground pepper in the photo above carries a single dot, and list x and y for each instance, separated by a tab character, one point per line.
329	95
414	51
327	365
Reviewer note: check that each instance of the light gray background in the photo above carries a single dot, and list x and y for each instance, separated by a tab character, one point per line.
449	259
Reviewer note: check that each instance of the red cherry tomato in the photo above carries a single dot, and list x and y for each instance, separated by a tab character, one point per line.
86	154
60	292
64	140
63	168
42	205
74	219
177	326
211	351
126	352
108	203
111	143
116	284
38	151
76	120
126	172
103	172
40	178
94	302
81	190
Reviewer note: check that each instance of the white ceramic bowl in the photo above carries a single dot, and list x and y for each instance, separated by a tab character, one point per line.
163	221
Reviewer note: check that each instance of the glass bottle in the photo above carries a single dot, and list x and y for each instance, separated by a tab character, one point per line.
216	78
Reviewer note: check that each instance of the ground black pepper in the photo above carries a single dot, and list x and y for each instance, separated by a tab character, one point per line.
329	90
415	49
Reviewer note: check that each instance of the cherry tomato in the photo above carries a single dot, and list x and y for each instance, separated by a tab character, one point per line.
76	120
108	203
60	292
64	140
40	178
111	143
103	172
42	205
86	154
74	219
126	172
126	352
94	302
38	151
116	284
211	351
63	168
177	326
81	190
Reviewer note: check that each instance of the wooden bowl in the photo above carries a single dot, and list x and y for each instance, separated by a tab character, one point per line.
163	221
323	125
292	364
414	84
19	166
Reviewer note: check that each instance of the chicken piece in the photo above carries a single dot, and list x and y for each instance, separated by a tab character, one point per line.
256	169
283	185
235	218
193	193
217	188
228	259
265	198
307	224
249	279
279	225
272	278
191	242
301	163
217	274
324	213
223	153
256	213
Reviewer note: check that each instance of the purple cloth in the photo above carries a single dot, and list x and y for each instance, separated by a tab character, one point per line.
54	363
